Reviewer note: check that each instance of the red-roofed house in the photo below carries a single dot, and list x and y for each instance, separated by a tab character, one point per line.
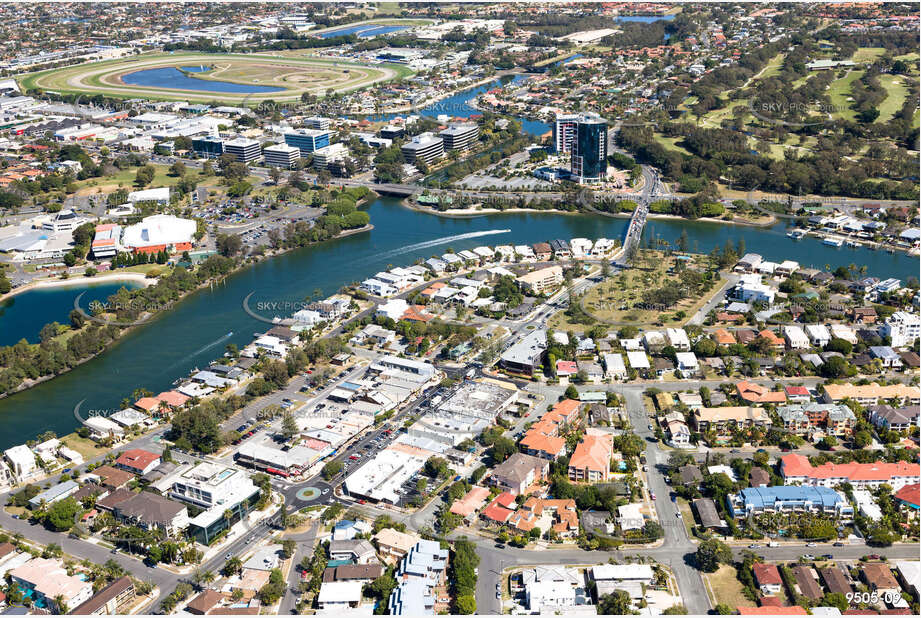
796	468
138	461
499	510
148	404
591	461
797	394
767	576
173	399
755	393
470	503
416	313
565	368
910	496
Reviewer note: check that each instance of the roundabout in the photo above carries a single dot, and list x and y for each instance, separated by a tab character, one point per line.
234	78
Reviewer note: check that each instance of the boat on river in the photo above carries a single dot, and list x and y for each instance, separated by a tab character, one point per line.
796	233
831	241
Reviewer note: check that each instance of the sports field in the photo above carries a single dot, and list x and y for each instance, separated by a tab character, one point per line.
295	76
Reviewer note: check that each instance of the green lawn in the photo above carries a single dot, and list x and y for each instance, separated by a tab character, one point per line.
868	54
671	143
773	67
896	91
839	91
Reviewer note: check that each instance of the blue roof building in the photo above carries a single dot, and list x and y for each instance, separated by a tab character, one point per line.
787	498
421	573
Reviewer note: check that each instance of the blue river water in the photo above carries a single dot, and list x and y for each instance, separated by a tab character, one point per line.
458	105
173	78
23	315
363	31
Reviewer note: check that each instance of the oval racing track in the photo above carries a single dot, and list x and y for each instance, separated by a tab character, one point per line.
105	78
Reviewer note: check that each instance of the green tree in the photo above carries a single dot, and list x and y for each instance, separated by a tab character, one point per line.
289	426
711	553
62	514
465	604
331	469
617	603
835	599
144	176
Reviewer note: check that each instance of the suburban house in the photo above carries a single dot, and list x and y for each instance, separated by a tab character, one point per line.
591	461
519	472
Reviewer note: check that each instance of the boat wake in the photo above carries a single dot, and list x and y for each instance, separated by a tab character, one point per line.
434	243
211	345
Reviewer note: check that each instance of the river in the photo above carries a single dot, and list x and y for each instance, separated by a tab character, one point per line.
198	328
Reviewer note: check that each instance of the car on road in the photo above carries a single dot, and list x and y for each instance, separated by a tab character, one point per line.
827	557
808	557
873	556
228	556
837	544
678	515
754	546
325	491
498	594
653	495
353	457
810	544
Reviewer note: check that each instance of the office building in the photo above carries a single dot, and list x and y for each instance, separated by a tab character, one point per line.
242	149
317	122
308	140
424	146
460	136
392	132
590	149
208	147
282	156
564	129
218	490
326	156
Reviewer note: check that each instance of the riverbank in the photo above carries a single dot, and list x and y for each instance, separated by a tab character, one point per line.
461	213
43	284
466	213
769	223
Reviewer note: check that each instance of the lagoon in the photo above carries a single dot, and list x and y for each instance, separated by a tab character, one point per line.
363	31
22	316
174	78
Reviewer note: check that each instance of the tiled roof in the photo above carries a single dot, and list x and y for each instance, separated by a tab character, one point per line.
910	494
592	453
794	465
755	393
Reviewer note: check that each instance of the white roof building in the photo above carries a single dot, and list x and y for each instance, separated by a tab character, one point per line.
157	230
380	478
678	339
22	460
159	195
638	360
796	338
866	505
687	362
818	334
